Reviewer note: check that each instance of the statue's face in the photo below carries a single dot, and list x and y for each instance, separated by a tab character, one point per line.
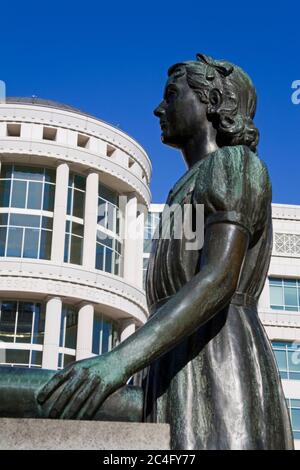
181	113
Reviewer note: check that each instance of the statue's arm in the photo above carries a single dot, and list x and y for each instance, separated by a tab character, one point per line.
197	302
86	384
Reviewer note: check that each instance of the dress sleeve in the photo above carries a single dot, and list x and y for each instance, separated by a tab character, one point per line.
234	186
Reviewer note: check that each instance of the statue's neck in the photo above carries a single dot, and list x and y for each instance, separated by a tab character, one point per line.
196	148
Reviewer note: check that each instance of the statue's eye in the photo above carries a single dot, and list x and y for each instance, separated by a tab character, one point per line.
170	94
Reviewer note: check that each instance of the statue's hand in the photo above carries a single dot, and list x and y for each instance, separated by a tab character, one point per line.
83	386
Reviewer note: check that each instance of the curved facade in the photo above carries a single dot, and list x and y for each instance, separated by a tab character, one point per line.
70	282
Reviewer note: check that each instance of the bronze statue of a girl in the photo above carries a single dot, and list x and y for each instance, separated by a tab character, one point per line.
211	370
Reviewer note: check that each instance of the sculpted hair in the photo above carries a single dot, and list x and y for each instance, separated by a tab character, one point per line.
230	97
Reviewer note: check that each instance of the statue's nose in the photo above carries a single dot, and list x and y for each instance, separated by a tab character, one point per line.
159	111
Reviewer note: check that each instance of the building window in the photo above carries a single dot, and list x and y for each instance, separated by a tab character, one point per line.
284	294
294	409
76	196
25	236
105	334
108	242
288	359
145	267
74	223
73	242
21	322
68	336
108	253
26	187
26	233
152	223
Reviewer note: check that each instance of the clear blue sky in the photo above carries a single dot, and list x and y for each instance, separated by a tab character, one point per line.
110	59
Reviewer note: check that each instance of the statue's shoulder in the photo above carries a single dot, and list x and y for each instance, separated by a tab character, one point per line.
232	163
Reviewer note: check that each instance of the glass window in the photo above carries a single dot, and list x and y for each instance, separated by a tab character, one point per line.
18	196
6	171
28	173
3	232
14	242
26	238
21	322
22	220
4	193
76	250
36	358
284	294
24	322
35	191
64	360
38	325
76	196
108	243
78	204
151	225
8	321
31	188
108	194
294	408
287	355
45	244
68	330
73	242
23	187
31	243
108	253
17	356
105	334
276	295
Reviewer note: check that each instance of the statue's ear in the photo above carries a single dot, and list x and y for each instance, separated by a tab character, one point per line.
215	100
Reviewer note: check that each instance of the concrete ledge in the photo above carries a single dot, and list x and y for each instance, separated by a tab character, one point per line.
49	434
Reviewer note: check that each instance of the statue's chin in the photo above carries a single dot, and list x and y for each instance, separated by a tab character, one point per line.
167	140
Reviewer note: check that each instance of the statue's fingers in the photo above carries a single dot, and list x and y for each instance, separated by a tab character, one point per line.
92	404
79	398
66	394
53	384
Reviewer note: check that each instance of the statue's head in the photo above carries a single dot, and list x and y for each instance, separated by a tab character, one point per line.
208	92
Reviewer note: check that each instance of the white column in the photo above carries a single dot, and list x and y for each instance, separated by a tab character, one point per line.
127	329
133	238
60	211
264	299
85	331
90	220
52	333
129	241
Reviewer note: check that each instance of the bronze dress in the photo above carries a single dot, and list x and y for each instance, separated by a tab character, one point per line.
219	388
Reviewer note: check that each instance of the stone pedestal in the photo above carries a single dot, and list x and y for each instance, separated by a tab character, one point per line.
49	434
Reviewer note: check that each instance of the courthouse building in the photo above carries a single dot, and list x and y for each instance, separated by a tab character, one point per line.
71	286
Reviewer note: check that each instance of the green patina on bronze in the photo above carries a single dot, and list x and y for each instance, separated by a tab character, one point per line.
209	367
20	387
